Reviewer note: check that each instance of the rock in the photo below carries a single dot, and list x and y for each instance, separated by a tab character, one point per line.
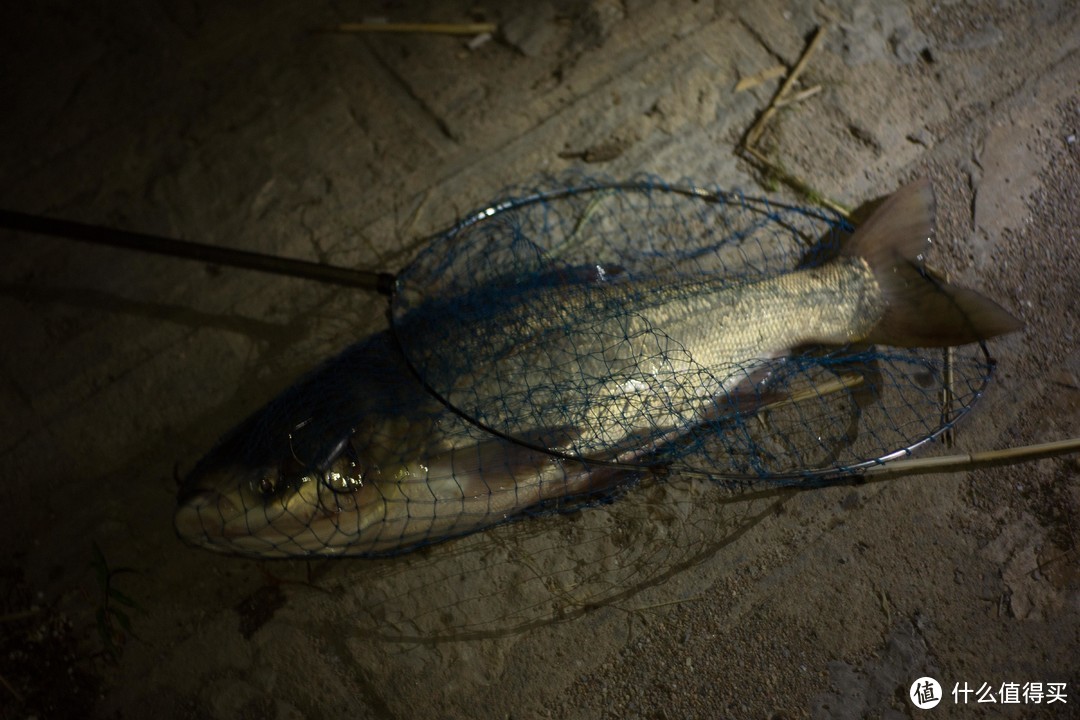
531	30
1010	173
908	43
600	19
876	31
986	36
922	137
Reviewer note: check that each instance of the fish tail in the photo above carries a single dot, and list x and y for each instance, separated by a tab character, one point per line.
921	311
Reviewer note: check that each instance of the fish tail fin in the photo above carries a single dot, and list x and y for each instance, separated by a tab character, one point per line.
921	311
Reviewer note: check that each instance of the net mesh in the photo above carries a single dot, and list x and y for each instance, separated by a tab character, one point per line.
532	337
526	371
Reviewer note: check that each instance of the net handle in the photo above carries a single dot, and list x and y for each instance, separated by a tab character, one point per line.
379	282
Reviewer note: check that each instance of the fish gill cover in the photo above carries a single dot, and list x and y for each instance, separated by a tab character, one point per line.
552	347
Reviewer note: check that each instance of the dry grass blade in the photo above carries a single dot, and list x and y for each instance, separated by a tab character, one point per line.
796	183
800	96
761	77
430	28
847	382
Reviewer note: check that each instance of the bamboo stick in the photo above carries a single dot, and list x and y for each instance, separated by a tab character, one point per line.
975	461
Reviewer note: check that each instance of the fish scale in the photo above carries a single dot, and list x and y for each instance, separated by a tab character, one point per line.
653	355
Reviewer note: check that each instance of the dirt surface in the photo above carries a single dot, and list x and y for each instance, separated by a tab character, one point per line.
241	127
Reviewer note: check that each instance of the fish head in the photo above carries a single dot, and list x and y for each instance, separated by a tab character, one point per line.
269	511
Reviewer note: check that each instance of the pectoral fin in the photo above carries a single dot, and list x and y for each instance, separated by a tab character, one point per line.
507	477
498	465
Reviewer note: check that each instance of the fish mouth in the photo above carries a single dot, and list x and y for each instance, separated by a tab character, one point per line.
232	520
203	518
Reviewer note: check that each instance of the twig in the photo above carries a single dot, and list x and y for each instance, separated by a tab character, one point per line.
1040	566
846	382
947	392
947	397
800	96
752	81
586	215
748	150
20	615
11	689
759	127
796	183
431	28
654	606
815	391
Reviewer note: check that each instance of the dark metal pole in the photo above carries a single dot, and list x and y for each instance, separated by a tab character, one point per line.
22	222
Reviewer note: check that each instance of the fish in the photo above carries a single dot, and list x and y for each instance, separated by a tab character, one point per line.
559	387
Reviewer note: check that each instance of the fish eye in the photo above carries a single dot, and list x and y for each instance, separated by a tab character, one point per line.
348	473
267	484
346	482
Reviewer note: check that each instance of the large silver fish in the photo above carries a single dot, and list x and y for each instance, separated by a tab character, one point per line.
360	459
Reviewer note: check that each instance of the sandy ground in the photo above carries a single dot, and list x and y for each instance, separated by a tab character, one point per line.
229	125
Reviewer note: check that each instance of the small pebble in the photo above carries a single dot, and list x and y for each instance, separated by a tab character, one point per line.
921	137
479	40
